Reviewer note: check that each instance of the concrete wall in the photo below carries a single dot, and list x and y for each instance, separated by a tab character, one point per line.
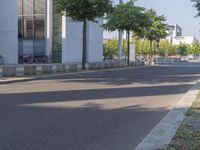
72	41
95	47
9	31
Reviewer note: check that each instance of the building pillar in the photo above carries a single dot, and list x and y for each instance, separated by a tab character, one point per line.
9	31
49	24
95	41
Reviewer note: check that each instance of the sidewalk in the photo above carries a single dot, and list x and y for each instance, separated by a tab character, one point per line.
9	80
164	132
188	135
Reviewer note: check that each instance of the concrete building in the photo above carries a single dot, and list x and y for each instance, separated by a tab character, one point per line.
31	27
173	31
175	36
184	40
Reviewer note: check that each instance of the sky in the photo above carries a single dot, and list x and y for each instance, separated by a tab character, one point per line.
178	12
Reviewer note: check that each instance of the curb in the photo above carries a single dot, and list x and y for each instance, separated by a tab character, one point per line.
163	133
26	79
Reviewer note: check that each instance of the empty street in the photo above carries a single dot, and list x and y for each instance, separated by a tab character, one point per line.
105	110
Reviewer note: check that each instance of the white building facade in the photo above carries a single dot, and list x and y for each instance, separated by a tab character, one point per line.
31	27
175	36
184	40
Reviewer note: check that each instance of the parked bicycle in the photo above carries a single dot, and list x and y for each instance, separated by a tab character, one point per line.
28	59
47	59
25	59
42	59
1	60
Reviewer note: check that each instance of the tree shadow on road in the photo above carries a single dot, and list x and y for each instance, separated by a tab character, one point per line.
148	75
78	120
91	127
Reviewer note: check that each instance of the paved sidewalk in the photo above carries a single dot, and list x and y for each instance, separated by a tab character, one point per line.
188	135
163	133
8	80
4	80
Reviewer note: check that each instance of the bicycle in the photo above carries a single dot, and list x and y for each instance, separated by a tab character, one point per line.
1	60
25	59
47	59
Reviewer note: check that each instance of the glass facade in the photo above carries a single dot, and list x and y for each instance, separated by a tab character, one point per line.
57	36
32	27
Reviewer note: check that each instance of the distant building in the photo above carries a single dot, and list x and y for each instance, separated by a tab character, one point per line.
174	30
175	36
184	40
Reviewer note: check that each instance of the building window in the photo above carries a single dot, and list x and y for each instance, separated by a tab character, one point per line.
32	27
31	18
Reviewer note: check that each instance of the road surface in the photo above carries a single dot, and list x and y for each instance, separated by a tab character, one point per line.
108	110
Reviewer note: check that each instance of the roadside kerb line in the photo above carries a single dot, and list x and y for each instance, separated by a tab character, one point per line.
163	133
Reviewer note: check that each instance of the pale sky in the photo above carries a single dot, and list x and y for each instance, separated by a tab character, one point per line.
178	12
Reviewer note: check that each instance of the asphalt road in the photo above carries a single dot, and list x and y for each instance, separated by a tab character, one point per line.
109	110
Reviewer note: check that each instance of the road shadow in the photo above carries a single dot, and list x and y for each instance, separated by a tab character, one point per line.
28	124
147	75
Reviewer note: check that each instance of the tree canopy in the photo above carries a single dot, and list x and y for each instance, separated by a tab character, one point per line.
197	6
158	28
127	17
80	10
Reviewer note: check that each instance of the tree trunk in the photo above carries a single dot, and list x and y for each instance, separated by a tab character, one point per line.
84	56
128	46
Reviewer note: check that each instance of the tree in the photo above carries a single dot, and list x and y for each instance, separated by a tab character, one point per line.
195	48
197	6
111	48
127	17
165	45
156	31
184	49
84	11
141	46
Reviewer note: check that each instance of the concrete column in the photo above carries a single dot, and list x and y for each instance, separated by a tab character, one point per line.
132	53
120	45
120	41
9	31
49	18
95	41
72	33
